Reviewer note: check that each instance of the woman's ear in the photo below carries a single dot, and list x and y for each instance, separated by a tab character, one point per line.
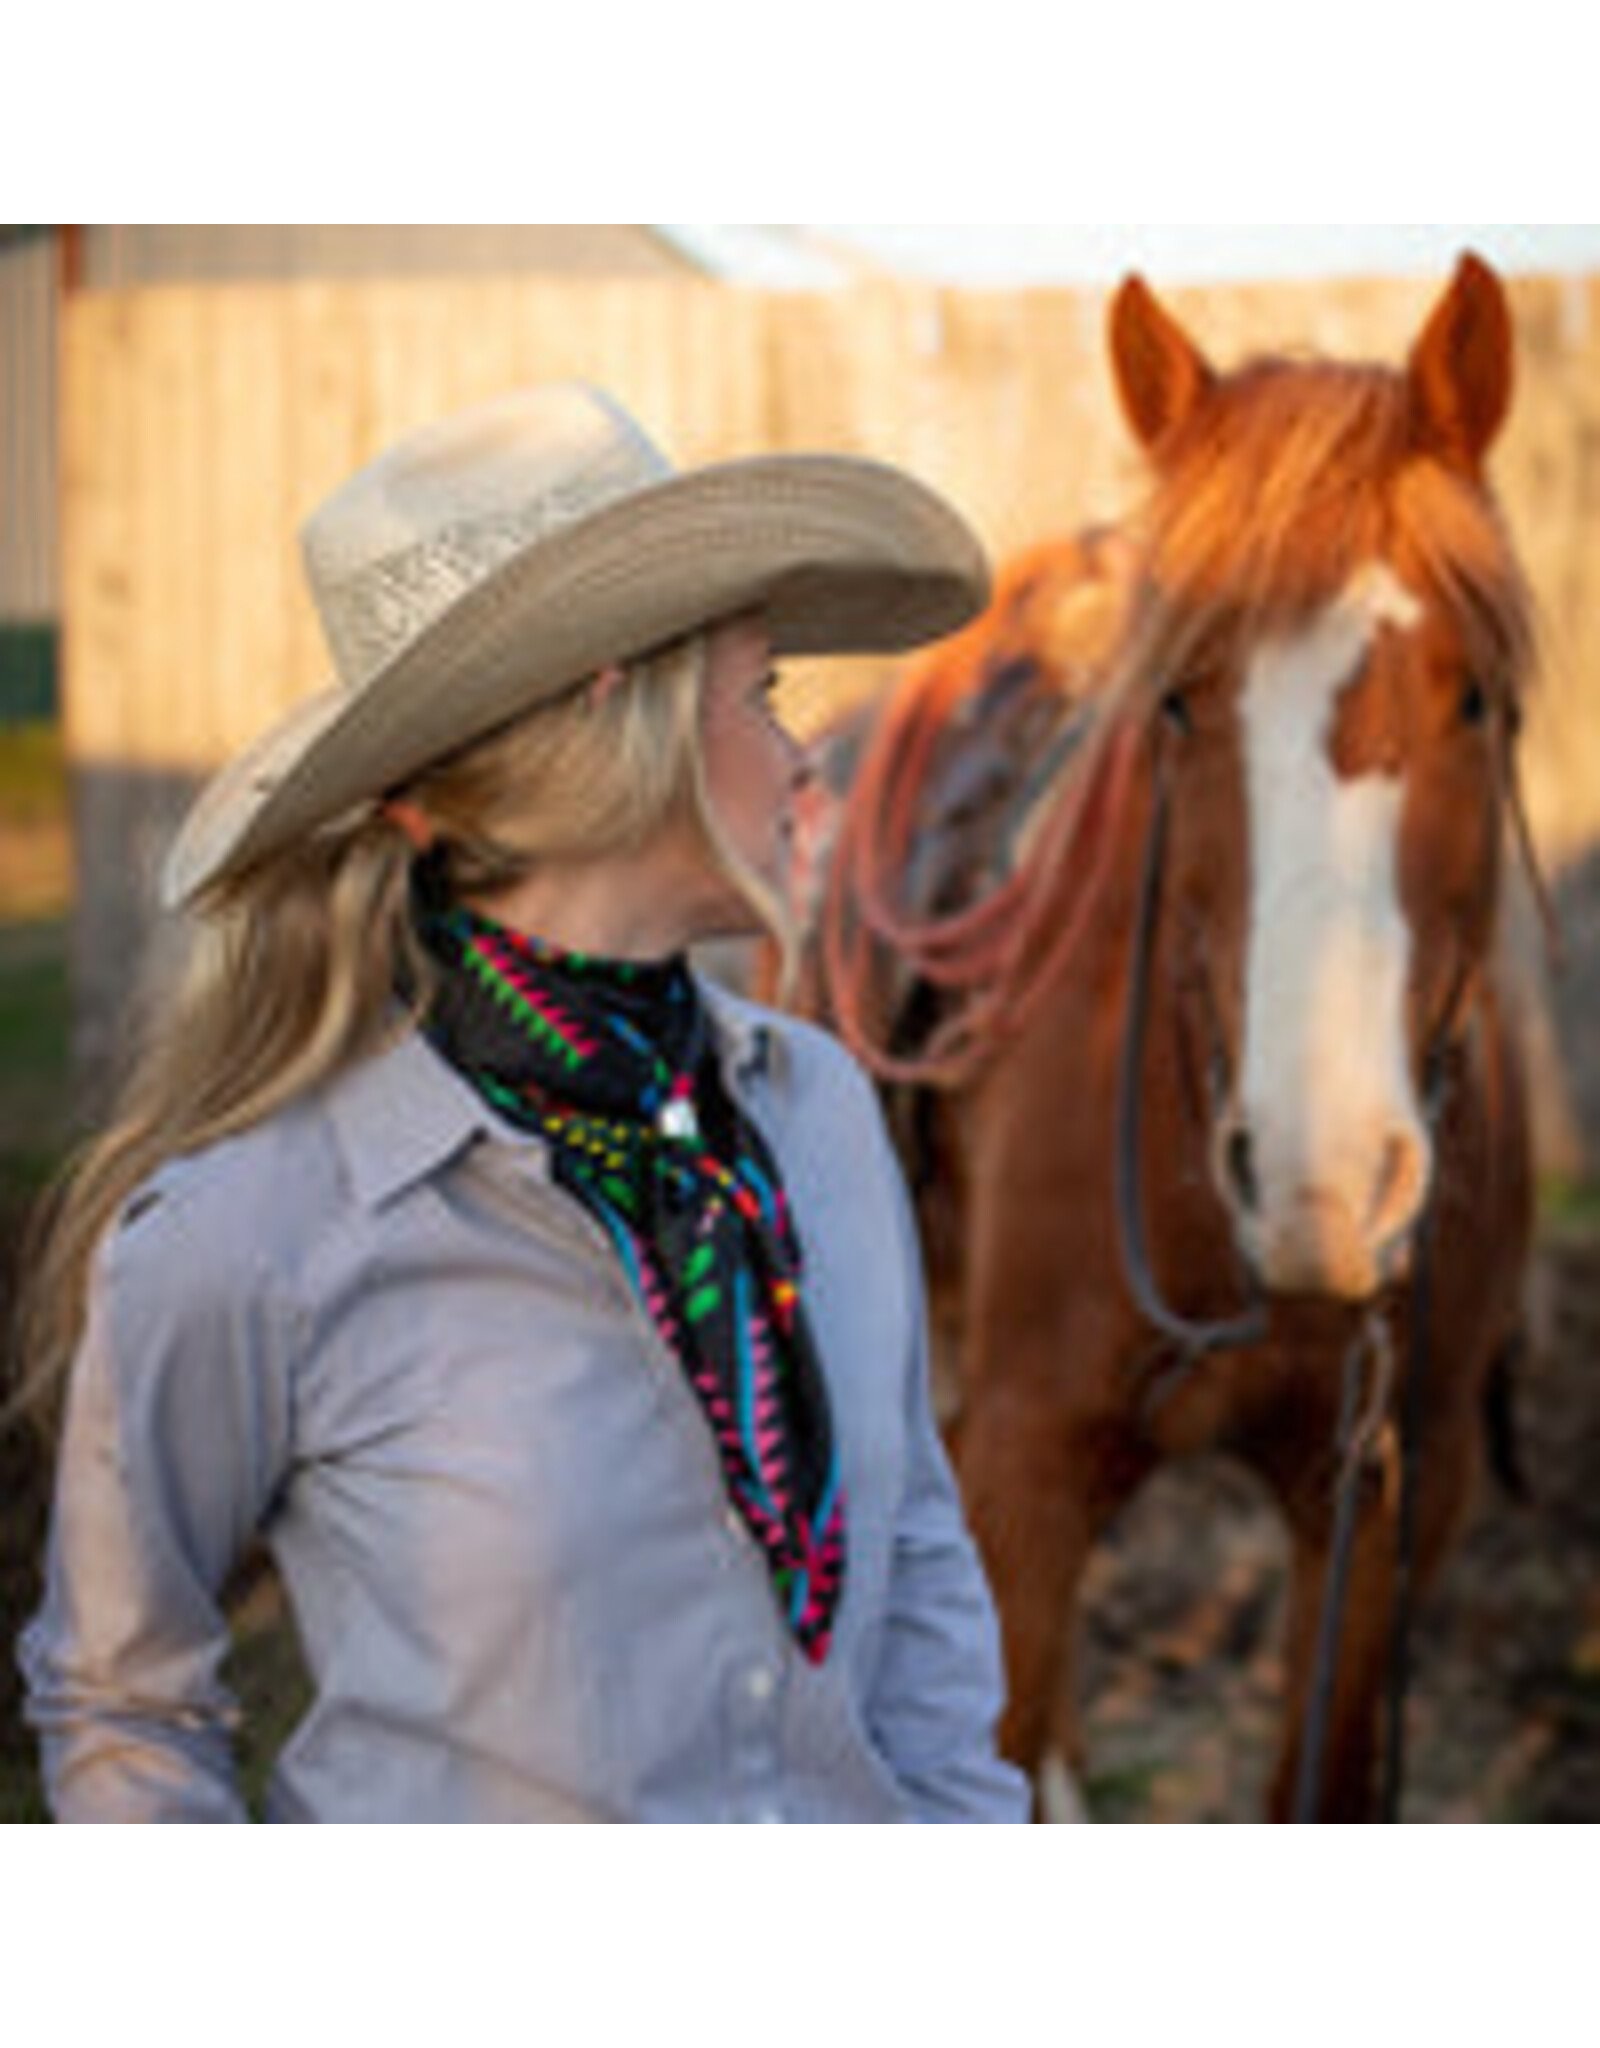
604	684
412	822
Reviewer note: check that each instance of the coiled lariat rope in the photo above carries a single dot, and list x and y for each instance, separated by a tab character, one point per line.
994	958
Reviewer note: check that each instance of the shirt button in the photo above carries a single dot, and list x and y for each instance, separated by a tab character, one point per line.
760	1683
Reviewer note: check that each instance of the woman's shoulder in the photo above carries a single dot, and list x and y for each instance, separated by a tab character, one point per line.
262	1214
249	1199
276	1191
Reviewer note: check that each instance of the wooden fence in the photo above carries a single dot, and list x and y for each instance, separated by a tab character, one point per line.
200	425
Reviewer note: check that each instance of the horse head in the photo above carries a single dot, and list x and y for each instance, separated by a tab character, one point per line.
1329	641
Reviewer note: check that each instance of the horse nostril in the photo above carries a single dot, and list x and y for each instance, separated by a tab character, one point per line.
1238	1158
1397	1190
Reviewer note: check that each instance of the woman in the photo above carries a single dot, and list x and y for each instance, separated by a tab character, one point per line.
554	1316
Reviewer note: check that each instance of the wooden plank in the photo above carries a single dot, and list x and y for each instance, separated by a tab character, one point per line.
101	676
248	574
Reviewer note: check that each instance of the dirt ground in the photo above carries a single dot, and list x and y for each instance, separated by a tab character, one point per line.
1183	1610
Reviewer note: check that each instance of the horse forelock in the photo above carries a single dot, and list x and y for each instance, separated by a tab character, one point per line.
1289	479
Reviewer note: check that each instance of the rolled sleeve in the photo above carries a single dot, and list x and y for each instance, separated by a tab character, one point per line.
174	1441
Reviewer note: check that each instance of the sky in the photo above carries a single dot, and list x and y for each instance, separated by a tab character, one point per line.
1091	253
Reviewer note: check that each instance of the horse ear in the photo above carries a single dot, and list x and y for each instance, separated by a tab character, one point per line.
1460	368
1160	373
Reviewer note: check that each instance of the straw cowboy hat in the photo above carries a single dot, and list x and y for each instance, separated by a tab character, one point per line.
494	559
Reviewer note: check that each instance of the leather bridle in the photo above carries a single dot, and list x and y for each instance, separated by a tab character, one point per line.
1367	1432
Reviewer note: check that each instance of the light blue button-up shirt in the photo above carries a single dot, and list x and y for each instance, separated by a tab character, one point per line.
375	1331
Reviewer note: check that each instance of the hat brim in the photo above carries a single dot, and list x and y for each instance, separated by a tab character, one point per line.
845	555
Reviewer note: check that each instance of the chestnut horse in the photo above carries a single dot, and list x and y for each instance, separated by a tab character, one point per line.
1232	1114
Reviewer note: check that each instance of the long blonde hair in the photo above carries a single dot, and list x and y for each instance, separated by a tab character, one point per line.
291	968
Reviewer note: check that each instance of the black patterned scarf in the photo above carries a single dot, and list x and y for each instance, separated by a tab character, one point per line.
610	1062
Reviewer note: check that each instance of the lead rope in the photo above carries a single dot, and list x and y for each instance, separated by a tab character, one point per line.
1363	1446
997	959
1361	1436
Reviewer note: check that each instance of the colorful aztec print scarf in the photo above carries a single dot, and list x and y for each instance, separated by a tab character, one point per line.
610	1062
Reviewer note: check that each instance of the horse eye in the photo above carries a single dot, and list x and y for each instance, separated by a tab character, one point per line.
1175	710
1474	705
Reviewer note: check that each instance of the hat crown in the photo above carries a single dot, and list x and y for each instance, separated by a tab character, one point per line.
399	544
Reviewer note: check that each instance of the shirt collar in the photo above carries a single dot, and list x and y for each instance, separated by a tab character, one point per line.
405	1112
748	1038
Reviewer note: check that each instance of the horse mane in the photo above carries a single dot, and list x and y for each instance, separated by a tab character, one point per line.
1288	477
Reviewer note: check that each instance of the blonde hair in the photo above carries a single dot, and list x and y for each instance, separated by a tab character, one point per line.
292	966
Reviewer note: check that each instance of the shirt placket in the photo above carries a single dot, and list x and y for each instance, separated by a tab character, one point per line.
752	1706
750	1691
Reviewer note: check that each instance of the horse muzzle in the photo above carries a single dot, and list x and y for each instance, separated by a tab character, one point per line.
1344	1232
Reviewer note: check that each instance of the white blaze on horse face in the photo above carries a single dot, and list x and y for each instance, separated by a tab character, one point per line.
1335	1145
